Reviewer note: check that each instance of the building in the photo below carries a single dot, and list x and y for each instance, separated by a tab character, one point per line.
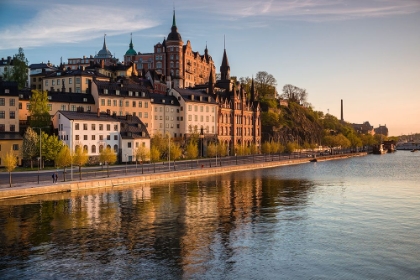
239	120
177	62
124	97
364	128
382	129
166	115
9	121
104	55
68	80
37	72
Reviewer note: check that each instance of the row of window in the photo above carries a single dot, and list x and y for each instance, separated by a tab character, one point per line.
201	108
115	102
62	81
12	102
101	147
93	126
12	128
15	147
201	118
93	137
12	114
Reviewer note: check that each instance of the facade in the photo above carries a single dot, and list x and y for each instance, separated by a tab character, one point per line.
122	98
77	81
38	72
177	62
364	128
9	121
166	116
382	129
198	112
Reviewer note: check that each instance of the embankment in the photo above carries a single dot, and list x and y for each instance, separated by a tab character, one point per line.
30	190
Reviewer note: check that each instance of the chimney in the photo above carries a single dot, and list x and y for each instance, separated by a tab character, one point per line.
342	119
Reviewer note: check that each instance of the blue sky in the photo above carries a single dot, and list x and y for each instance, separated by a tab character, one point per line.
364	52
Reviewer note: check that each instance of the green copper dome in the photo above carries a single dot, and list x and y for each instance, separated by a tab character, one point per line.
131	50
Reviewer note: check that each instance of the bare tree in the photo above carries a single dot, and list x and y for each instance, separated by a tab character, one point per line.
294	93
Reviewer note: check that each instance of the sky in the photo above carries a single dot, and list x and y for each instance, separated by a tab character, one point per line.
364	52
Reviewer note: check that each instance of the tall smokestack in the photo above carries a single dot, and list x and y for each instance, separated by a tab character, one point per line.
342	119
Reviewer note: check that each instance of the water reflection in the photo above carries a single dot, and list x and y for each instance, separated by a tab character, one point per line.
180	229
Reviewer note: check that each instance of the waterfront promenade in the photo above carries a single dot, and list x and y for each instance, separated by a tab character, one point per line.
124	175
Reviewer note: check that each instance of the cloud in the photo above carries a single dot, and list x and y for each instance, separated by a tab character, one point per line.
308	10
62	23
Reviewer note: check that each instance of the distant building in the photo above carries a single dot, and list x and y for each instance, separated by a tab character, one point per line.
364	128
382	129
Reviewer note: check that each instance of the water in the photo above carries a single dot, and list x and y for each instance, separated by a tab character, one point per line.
347	219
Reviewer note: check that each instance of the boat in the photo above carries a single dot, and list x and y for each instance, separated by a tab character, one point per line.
379	149
408	146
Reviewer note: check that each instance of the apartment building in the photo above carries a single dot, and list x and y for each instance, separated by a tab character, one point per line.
167	118
9	121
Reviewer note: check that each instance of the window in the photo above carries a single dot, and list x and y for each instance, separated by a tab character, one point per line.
85	137
189	108
101	137
146	115
146	104
93	126
117	92
93	137
2	127
58	82
2	101
12	102
101	127
116	148
115	137
93	149
127	103
121	103
70	81
76	126
134	103
105	91
140	104
15	147
129	145
49	107
102	102
101	148
77	137
12	114
20	105
108	127
108	102
116	127
85	126
108	137
78	80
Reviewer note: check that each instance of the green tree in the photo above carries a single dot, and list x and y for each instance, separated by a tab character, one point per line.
142	153
192	150
38	109
30	147
80	158
63	159
211	150
291	147
10	162
51	145
266	148
19	71
109	156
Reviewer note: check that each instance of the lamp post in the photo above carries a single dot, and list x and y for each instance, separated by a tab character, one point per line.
40	154
126	164
169	154
202	140
38	167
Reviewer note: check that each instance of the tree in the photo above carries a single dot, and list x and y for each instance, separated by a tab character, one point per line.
211	150
38	109
265	84
192	150
51	145
142	153
176	151
222	149
294	94
80	158
154	155
19	72
63	159
10	162
109	156
30	147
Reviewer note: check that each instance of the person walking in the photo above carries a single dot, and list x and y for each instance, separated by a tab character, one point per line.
56	178
53	176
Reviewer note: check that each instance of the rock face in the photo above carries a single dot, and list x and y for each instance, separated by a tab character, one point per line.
298	124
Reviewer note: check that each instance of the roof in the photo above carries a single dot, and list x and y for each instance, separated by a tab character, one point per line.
195	95
174	35
163	99
76	72
65	97
131	50
10	136
124	87
8	88
88	116
104	52
132	127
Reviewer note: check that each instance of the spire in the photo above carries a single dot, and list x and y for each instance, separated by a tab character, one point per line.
225	68
211	81
173	20
131	50
104	46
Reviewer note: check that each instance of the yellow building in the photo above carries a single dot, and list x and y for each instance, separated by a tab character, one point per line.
9	121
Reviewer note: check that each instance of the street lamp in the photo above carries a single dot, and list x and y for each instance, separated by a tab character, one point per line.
169	154
202	140
126	164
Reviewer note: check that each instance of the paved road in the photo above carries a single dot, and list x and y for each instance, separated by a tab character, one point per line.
44	176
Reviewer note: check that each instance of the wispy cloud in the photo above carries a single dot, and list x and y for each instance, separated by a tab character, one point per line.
62	23
309	10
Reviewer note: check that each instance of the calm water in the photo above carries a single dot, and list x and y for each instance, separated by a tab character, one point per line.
348	219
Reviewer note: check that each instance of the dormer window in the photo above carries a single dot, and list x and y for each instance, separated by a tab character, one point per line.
85	99
130	93
49	97
117	92
105	91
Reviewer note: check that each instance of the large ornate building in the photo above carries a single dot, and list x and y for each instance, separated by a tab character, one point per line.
178	63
